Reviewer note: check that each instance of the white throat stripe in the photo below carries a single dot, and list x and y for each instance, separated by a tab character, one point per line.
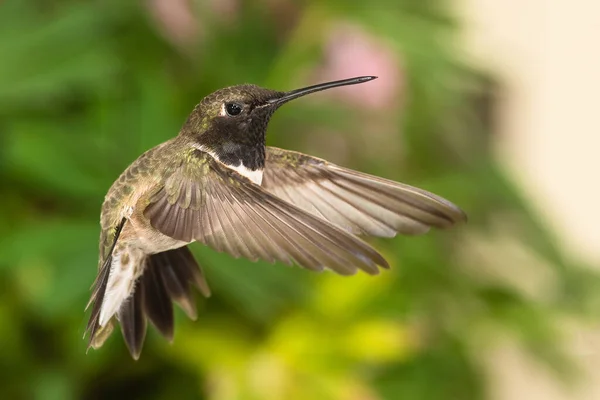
255	176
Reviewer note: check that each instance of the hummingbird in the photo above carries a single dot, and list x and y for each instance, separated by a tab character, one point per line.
217	183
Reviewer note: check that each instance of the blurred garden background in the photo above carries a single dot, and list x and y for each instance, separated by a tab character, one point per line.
472	101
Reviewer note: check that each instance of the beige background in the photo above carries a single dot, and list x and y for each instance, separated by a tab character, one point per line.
547	53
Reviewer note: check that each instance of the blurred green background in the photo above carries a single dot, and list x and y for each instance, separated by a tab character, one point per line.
86	87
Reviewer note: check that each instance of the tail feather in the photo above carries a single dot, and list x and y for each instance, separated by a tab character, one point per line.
133	322
167	278
177	285
157	302
183	262
178	269
99	334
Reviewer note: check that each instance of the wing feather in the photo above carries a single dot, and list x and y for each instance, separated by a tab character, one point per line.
204	200
358	203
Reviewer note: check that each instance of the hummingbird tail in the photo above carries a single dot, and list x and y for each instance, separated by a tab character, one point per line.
167	277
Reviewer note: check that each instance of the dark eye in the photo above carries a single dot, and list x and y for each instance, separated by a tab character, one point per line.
233	109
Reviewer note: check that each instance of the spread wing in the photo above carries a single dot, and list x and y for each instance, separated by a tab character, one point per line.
203	200
359	203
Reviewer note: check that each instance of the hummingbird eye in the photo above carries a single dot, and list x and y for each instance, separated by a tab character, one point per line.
233	109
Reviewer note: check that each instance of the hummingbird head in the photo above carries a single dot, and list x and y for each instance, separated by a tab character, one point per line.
231	123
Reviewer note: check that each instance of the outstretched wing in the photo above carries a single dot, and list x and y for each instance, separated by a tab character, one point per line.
359	203
201	199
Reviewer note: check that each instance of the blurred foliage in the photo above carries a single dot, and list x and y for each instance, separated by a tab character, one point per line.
85	87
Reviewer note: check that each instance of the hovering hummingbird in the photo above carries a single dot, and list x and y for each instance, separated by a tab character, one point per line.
217	183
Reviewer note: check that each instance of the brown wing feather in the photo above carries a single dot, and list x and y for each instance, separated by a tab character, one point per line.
205	201
357	202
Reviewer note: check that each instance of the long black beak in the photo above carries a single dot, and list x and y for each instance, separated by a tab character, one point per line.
294	94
